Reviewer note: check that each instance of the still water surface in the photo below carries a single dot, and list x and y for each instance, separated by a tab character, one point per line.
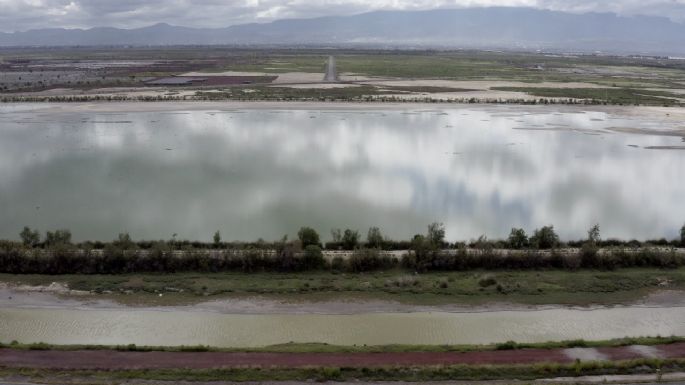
169	328
264	173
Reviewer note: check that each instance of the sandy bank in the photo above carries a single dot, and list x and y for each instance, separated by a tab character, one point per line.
666	113
673	118
482	85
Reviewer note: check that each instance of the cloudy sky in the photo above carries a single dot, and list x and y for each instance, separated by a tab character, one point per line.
19	15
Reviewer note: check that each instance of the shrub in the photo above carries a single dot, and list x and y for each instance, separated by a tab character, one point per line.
593	235
436	234
589	255
313	258
571	261
517	239
369	260
30	237
545	238
374	238
338	264
124	242
59	237
39	346
350	239
509	345
308	236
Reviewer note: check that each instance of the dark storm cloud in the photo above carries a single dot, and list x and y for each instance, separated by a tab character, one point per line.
30	14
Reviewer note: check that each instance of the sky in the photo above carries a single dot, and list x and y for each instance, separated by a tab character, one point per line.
21	15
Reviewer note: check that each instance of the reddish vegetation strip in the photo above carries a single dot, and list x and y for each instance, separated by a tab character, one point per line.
107	359
672	350
232	80
102	359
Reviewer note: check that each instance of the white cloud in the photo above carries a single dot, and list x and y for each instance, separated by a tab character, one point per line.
29	14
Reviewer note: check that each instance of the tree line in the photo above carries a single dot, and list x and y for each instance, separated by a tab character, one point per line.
56	254
544	238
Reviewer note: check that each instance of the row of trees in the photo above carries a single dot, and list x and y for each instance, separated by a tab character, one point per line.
426	254
544	238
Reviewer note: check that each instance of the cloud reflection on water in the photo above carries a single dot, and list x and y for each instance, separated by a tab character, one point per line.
261	174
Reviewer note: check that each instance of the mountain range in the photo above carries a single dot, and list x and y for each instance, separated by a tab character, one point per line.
486	28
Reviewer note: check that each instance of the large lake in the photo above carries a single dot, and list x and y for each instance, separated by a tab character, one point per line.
264	173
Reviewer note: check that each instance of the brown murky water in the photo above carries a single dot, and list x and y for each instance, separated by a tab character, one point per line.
169	328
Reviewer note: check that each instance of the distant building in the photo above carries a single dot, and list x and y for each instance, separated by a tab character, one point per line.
331	71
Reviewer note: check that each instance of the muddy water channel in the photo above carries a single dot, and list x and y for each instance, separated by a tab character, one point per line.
259	172
169	328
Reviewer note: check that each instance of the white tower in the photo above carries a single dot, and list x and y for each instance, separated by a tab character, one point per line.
331	72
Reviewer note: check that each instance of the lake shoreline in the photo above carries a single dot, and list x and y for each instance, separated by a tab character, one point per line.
140	106
670	115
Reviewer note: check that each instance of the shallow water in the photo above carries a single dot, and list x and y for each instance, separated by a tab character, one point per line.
173	328
265	173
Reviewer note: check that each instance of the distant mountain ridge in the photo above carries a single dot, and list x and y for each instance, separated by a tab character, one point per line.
492	27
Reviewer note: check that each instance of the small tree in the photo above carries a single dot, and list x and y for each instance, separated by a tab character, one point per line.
518	239
482	243
308	236
593	235
545	238
589	250
59	237
436	234
424	251
217	238
30	237
374	238
124	242
336	234
350	239
682	236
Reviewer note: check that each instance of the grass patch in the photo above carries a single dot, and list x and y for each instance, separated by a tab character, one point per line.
582	287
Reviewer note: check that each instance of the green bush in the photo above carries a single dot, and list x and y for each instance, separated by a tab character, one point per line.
350	239
518	239
545	238
30	237
369	260
313	258
487	282
308	236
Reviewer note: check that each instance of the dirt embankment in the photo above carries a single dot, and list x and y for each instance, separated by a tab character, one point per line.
60	296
